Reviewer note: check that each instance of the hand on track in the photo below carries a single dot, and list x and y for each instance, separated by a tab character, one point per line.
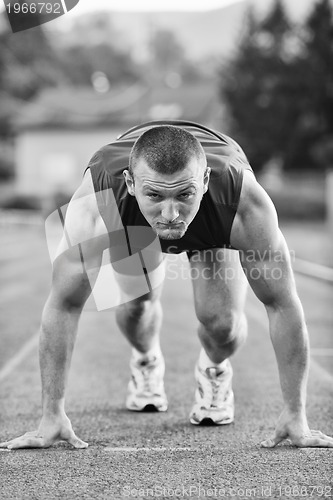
293	426
50	431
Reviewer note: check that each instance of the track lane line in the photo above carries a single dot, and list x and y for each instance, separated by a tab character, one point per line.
156	449
257	317
19	357
313	270
32	343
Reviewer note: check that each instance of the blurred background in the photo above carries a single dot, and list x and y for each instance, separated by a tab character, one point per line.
258	70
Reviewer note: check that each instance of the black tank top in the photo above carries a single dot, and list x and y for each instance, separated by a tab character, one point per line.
212	224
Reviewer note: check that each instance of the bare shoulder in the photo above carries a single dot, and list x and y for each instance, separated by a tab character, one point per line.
255	224
83	219
84	197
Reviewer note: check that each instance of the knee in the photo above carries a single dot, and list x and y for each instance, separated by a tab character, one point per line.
136	308
227	327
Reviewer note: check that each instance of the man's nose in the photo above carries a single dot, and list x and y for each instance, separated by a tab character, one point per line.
170	211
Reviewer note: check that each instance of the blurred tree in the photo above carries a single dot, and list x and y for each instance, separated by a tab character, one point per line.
169	60
261	87
92	45
319	53
28	63
80	61
32	60
167	53
118	66
316	127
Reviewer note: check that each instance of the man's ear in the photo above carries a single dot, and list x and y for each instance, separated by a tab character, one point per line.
129	182
206	179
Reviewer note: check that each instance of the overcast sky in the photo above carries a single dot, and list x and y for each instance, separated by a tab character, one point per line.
145	5
150	5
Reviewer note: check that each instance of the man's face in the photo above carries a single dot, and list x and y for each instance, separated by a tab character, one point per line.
169	203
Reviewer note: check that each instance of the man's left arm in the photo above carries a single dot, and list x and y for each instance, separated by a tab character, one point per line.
266	262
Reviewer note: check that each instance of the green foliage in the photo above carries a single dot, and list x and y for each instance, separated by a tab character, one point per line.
6	169
31	61
318	83
279	87
27	63
80	61
168	57
167	53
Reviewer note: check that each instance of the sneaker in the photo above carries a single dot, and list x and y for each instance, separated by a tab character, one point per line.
214	398
146	387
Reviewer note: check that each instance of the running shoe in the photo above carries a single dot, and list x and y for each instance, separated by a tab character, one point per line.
146	387
214	398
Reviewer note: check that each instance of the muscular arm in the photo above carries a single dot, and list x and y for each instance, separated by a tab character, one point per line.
70	289
69	292
266	262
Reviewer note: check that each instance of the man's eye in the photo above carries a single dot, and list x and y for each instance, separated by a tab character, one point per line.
153	196
185	196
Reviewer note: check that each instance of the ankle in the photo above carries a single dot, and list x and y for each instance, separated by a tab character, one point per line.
154	351
206	362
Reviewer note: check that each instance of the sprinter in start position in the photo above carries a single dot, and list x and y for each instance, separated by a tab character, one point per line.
169	187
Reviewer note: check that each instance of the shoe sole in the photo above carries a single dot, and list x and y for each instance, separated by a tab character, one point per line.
148	408
209	421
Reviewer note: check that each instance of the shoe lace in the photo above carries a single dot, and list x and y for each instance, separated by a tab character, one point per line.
148	382
217	395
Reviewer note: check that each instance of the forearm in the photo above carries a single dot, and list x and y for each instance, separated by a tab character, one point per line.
57	338
290	341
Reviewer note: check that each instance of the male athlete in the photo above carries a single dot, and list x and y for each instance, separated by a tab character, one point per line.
173	187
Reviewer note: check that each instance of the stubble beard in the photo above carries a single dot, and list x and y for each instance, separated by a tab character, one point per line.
175	234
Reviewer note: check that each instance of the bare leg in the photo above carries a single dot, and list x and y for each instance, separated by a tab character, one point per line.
221	343
140	321
219	287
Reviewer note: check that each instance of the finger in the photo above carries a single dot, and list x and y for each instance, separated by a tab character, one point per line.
8	444
271	442
314	442
322	435
27	442
77	442
5	444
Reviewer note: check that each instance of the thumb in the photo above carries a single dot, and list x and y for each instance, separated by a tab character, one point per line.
68	435
271	442
77	442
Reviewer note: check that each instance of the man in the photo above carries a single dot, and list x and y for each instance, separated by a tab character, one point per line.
193	189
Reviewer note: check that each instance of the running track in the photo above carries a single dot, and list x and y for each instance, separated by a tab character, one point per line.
153	455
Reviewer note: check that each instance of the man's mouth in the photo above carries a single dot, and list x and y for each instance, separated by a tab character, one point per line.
171	225
170	230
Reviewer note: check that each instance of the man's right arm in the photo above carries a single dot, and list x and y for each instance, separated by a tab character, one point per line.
69	292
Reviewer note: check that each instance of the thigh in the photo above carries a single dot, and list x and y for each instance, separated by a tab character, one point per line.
219	283
138	263
142	285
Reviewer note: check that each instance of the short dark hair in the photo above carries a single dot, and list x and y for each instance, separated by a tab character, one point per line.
166	149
